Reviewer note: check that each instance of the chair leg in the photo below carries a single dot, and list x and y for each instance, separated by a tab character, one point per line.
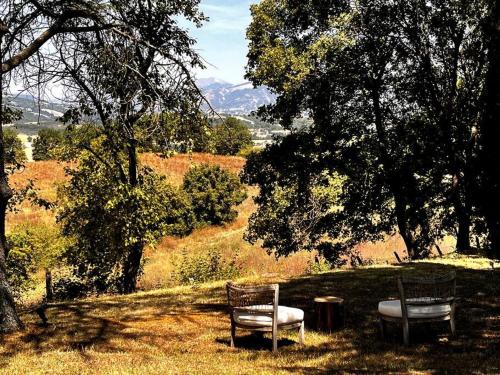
275	341
452	326
406	333
233	334
382	328
301	334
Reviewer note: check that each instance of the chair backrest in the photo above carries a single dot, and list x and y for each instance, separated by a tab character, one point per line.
240	297
431	290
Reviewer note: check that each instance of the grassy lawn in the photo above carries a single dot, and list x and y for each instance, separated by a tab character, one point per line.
186	330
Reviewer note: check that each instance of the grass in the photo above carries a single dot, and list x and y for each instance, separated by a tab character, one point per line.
185	330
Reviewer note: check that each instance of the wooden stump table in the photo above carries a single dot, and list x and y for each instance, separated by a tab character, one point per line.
329	313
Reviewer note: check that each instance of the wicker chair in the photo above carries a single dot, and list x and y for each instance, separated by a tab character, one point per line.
255	308
421	300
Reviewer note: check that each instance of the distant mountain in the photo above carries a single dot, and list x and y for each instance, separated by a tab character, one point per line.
36	114
227	98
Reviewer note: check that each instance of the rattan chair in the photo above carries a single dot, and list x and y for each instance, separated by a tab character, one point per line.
422	300
256	308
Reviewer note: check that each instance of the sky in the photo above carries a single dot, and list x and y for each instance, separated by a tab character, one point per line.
221	41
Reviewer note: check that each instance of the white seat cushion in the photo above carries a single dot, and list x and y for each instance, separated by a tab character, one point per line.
393	309
286	315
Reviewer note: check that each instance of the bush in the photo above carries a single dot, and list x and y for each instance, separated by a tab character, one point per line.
31	248
213	192
230	137
69	287
208	267
14	149
47	141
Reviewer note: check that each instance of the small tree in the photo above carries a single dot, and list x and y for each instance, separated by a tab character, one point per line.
45	143
108	219
230	137
214	192
14	149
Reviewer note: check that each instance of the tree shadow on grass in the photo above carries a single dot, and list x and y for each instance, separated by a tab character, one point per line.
478	322
169	320
108	323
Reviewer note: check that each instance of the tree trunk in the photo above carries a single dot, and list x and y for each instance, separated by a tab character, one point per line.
132	267
490	135
9	320
132	264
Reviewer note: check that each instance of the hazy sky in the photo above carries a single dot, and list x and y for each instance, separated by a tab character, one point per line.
221	41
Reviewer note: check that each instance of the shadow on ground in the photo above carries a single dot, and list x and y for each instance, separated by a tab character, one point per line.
166	319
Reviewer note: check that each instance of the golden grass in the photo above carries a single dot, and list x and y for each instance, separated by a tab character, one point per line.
185	330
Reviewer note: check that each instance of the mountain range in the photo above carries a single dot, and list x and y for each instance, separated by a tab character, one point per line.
242	99
224	97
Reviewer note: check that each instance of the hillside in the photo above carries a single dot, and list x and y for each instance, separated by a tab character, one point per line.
226	240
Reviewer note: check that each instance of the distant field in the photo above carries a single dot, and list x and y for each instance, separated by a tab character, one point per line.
228	239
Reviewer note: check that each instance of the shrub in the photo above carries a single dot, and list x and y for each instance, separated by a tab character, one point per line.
230	137
32	248
214	192
14	149
47	141
208	267
69	287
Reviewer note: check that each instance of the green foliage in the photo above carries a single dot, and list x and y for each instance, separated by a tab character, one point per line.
110	220
393	107
14	149
295	206
318	265
47	140
213	192
197	269
230	137
77	139
174	132
32	248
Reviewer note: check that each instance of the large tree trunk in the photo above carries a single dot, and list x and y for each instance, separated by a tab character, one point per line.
9	320
402	220
392	177
490	135
132	265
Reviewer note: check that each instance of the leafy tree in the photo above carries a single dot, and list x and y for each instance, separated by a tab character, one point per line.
230	137
14	148
25	27
146	71
213	192
174	132
490	133
363	71
107	219
47	140
296	205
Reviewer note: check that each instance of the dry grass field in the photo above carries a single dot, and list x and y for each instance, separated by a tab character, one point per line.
185	330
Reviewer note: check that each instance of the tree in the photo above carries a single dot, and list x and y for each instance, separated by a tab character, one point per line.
297	204
106	218
213	192
230	137
47	141
14	148
126	76
26	27
363	72
490	133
